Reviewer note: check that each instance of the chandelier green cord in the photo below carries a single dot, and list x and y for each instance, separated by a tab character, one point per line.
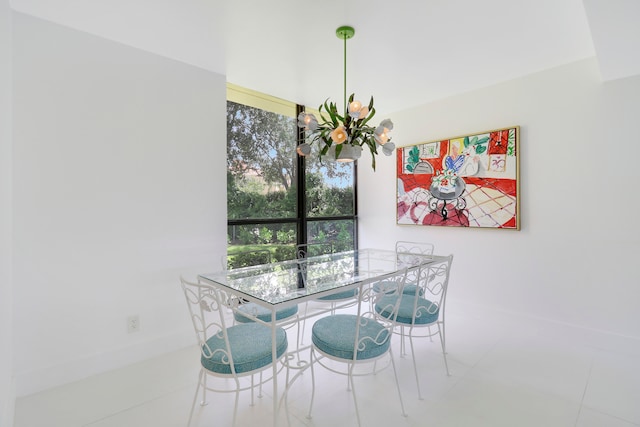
344	33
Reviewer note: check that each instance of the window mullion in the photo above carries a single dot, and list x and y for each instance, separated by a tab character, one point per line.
301	180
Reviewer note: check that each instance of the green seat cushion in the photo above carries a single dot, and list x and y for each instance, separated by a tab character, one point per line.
262	313
250	346
426	312
335	335
411	290
340	295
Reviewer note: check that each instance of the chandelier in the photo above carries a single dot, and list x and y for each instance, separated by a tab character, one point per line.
342	137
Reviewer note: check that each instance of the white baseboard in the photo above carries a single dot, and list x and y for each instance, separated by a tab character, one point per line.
8	404
595	332
37	380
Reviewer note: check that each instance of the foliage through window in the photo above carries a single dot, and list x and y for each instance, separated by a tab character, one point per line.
276	200
261	164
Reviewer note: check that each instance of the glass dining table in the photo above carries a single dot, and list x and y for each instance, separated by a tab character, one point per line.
283	284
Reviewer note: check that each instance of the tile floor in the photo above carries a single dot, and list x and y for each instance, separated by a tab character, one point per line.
506	371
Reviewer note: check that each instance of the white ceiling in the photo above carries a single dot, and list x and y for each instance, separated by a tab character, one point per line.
405	52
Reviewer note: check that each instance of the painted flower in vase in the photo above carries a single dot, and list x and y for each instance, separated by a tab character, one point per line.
445	181
344	136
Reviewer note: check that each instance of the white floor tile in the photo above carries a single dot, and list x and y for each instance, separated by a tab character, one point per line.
506	371
590	418
168	410
614	386
82	402
483	402
548	366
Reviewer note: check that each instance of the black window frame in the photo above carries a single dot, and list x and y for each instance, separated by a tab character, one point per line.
302	220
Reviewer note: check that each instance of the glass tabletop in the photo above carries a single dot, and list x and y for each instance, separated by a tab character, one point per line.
312	277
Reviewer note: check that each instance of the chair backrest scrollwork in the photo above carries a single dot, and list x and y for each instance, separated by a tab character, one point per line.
433	282
369	297
207	305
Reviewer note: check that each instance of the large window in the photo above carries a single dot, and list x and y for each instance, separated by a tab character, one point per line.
276	199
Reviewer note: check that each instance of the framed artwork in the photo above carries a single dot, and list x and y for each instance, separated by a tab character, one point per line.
467	181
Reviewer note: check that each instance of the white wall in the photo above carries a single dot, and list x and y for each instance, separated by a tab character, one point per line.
6	287
574	260
178	29
119	188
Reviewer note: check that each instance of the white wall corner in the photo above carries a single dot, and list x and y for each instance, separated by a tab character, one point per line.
7	381
616	36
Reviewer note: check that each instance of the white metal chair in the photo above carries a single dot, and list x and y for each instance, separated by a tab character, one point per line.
355	339
233	353
316	249
424	309
336	299
420	248
404	247
248	311
424	248
410	288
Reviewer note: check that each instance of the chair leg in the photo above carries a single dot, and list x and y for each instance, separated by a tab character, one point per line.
444	352
204	389
298	338
403	343
285	396
395	374
195	397
304	322
313	383
353	392
415	366
235	406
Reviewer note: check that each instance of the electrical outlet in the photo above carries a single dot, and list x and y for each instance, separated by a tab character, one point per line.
133	324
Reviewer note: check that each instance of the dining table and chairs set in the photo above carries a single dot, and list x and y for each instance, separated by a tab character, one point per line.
362	299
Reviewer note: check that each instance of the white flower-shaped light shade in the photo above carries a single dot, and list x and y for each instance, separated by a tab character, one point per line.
307	121
357	111
381	135
339	135
303	149
387	123
388	148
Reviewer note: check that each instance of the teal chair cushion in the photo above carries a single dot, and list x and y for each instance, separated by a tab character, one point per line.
411	290
426	312
250	346
335	335
262	313
340	295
